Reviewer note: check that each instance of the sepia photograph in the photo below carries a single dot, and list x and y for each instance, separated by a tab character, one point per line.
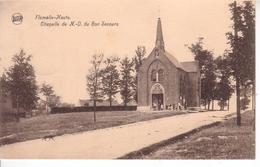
127	80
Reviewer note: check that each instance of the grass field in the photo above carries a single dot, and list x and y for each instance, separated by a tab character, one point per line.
223	141
59	124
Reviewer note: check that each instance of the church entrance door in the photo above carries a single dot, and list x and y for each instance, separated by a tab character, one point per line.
157	101
157	97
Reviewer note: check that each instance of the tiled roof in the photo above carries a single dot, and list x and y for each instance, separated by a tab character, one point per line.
190	66
172	59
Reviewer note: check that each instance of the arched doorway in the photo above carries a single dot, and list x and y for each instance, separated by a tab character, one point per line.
157	97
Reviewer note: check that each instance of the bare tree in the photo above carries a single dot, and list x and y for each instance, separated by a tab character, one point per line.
94	80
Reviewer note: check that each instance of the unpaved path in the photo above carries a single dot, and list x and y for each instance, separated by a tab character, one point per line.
110	143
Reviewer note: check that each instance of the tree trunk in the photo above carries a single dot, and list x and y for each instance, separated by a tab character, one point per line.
245	96
208	105
125	104
94	111
46	105
17	116
212	105
228	105
95	96
136	91
223	105
126	95
237	68
110	103
238	102
31	113
253	103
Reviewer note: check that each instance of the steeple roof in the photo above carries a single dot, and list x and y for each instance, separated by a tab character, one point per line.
159	43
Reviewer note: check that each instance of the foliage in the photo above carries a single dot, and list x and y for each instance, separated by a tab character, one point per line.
94	84
94	78
127	80
53	101
242	45
110	78
224	89
46	90
207	70
244	102
21	82
139	57
138	60
3	86
243	59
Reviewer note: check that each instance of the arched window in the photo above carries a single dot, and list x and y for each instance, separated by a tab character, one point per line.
153	75
161	75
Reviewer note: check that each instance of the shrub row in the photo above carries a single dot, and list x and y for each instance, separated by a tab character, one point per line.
10	116
56	110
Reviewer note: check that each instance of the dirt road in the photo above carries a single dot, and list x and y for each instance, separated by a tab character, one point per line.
110	143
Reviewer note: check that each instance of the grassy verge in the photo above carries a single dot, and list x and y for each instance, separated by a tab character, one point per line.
59	124
222	140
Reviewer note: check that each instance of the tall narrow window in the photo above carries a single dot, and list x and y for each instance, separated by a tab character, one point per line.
153	75
161	75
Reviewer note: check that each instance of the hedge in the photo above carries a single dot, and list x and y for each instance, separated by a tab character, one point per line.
56	110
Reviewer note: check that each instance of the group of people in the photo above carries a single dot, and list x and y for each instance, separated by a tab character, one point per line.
177	106
160	106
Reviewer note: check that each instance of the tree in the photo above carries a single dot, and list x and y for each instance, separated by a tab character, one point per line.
224	88
127	80
3	86
248	12
94	80
138	60
245	93
242	44
244	103
47	91
21	82
207	70
110	79
54	101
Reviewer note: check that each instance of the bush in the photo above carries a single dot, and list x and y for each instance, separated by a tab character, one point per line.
9	115
244	103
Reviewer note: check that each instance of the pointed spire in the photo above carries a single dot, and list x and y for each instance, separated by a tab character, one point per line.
159	43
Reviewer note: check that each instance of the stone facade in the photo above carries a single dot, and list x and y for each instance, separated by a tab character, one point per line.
164	82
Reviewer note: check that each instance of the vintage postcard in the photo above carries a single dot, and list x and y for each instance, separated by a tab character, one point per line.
127	79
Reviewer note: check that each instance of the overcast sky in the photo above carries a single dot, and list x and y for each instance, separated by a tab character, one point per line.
61	54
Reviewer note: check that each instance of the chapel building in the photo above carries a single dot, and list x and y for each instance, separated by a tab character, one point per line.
165	82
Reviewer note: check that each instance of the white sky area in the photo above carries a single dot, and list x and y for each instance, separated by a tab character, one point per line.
61	55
